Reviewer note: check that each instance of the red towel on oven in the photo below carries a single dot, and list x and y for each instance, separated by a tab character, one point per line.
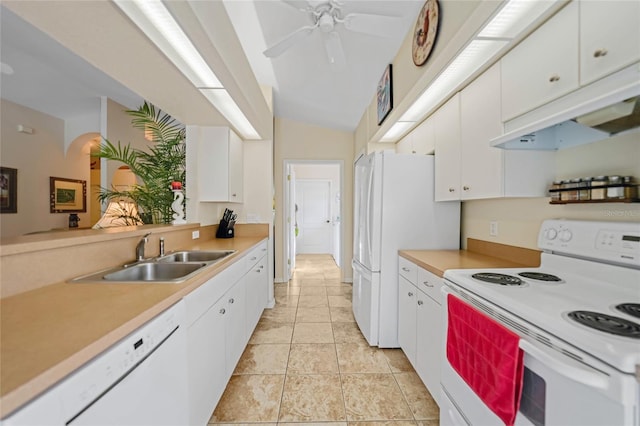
487	357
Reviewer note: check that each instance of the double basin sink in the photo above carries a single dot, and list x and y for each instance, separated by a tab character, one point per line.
171	268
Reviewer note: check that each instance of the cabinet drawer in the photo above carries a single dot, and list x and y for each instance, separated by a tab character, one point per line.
430	284
408	270
254	256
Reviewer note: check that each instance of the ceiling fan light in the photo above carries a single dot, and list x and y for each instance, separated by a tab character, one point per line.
326	22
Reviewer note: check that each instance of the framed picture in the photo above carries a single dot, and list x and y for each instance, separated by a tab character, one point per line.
385	95
68	195
8	190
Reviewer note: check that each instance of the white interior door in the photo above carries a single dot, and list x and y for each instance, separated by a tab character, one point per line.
313	198
291	222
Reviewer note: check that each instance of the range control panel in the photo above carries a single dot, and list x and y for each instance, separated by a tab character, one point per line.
617	242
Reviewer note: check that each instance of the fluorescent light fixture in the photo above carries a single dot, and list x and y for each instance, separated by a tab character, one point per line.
227	107
397	130
153	18
513	18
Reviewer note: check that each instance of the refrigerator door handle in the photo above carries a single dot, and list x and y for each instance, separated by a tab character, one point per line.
369	216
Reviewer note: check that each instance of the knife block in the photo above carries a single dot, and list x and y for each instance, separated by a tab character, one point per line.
225	229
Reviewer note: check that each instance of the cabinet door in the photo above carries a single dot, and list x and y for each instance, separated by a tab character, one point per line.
428	341
446	122
543	67
609	37
236	331
480	121
257	293
405	145
407	318
236	171
207	362
424	138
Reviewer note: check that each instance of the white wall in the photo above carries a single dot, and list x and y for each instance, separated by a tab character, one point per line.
37	157
519	219
300	141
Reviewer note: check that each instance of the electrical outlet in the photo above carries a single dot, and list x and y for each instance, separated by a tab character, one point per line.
195	235
493	228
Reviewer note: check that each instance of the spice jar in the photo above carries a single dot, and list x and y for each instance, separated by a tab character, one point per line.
615	189
598	190
555	195
585	189
565	186
630	189
574	194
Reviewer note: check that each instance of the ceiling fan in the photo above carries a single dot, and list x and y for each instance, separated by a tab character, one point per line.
326	15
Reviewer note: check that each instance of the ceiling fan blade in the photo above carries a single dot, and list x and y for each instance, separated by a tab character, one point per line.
335	52
293	38
296	4
370	24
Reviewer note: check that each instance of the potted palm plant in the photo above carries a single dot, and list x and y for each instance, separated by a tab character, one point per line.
163	163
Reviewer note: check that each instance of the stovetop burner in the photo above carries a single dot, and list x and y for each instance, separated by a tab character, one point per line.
495	278
632	309
607	323
540	276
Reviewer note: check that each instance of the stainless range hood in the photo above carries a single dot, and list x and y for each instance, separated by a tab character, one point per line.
608	107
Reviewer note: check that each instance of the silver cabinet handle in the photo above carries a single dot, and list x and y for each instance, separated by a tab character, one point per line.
232	300
600	53
554	78
410	294
452	190
420	302
253	258
406	269
234	195
258	270
222	311
466	188
427	284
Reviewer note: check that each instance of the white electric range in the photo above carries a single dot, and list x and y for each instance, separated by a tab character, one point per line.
578	318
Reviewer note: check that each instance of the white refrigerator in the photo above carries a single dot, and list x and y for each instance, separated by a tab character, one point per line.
394	209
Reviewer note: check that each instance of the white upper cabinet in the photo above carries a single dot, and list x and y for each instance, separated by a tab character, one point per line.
609	37
544	66
420	140
446	122
220	165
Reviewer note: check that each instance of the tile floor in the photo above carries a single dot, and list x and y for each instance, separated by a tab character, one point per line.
308	363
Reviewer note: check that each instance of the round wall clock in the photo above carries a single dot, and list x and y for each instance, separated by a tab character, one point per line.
425	31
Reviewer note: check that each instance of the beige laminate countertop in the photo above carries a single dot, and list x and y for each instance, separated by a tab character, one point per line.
49	332
437	261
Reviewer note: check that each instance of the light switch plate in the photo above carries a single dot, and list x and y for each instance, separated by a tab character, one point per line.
493	228
195	235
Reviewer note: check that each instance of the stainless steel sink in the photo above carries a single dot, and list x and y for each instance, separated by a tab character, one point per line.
196	256
145	272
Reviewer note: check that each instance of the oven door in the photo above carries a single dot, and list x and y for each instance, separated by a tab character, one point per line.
558	389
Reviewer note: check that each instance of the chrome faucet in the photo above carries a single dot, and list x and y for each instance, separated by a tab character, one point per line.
140	247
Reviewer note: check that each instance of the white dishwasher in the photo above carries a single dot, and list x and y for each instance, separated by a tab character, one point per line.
141	380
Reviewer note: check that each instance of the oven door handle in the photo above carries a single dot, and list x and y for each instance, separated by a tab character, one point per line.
575	373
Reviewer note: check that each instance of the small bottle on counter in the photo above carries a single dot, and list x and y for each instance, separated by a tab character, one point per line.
555	195
598	190
615	189
630	189
585	189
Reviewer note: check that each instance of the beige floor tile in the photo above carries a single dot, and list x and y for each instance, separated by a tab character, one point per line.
420	401
312	358
254	398
286	290
340	314
312	301
348	332
333	282
312	399
357	358
382	423
313	314
310	282
398	361
430	422
264	359
341	301
272	332
313	333
342	289
313	291
374	397
280	314
286	301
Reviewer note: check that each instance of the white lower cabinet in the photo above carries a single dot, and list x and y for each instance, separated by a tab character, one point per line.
419	323
222	316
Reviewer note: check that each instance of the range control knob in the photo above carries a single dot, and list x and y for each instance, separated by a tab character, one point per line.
565	235
551	234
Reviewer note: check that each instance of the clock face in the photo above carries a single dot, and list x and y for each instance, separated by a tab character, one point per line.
424	33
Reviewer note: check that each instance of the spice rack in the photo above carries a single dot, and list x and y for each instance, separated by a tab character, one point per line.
586	191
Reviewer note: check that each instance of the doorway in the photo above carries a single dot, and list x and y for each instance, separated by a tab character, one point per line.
313	208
